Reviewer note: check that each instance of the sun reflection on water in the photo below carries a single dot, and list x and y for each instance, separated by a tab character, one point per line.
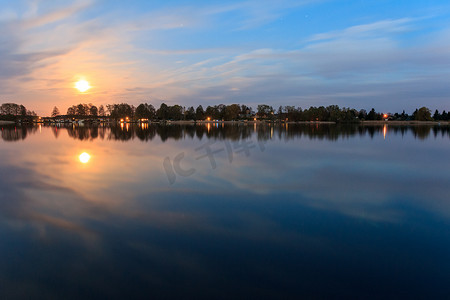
84	158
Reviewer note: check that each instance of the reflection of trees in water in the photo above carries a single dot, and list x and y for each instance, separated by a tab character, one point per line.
234	132
119	133
173	131
146	134
13	133
56	131
439	131
422	132
82	133
337	131
315	131
399	130
102	132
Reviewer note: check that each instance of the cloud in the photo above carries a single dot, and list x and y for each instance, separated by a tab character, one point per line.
254	14
185	54
380	28
17	206
34	20
355	66
22	49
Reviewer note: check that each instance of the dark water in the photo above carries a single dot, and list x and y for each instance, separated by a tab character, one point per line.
227	212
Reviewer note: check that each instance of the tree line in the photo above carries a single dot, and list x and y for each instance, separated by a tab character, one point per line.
13	111
83	110
332	113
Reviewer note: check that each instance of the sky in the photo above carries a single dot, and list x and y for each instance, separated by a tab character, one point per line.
390	55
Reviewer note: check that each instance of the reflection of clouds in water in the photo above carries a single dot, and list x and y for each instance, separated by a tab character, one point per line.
28	202
72	231
346	176
117	218
365	181
338	176
29	197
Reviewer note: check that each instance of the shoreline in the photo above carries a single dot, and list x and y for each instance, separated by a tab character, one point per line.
375	122
404	122
7	123
263	122
244	122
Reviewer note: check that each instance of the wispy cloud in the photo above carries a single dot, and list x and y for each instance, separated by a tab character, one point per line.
188	53
380	28
33	19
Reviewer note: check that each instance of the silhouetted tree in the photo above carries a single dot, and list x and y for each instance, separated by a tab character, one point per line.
200	113
265	111
423	114
211	112
93	111
55	112
71	111
121	111
163	112
404	116
175	112
362	114
101	111
190	113
437	116
80	111
232	112
23	111
145	111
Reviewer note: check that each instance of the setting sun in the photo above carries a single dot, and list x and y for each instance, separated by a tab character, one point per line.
82	86
84	158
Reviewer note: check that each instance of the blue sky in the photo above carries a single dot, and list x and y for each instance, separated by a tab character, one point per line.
391	55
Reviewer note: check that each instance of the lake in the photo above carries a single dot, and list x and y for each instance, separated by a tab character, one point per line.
225	211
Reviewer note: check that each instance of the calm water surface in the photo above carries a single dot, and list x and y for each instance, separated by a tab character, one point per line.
215	211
